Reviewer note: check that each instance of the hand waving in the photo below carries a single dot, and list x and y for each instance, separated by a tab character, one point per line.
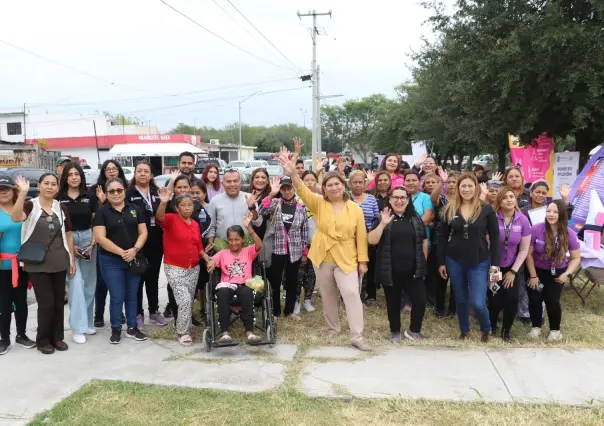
483	189
442	174
164	195
420	160
564	191
247	220
497	176
288	164
298	146
386	216
275	185
22	184
252	198
100	194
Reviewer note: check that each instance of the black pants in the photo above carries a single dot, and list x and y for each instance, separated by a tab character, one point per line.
280	263
550	295
246	298
506	300
371	288
50	292
9	296
100	293
150	280
415	289
432	277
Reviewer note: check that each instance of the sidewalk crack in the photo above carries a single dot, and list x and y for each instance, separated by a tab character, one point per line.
486	351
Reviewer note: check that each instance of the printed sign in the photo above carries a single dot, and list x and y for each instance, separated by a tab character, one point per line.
566	167
590	178
535	160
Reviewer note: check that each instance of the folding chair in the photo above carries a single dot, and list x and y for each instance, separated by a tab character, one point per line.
585	283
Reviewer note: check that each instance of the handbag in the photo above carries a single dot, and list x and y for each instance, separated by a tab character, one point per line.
33	252
139	265
266	254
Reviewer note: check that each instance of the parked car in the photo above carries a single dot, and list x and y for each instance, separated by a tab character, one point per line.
240	165
483	160
274	171
128	173
256	164
92	176
273	162
31	174
218	162
161	180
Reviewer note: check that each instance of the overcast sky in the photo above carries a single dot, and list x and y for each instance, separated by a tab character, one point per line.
139	52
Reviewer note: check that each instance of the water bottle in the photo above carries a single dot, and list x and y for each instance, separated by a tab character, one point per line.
202	216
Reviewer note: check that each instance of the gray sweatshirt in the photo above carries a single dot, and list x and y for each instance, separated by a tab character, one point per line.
226	212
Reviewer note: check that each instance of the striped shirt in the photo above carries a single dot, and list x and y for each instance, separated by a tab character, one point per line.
370	209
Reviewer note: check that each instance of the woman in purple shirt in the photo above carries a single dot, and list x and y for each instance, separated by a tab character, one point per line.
548	267
514	241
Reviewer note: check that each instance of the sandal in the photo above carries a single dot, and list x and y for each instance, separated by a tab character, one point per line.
185	340
252	338
225	337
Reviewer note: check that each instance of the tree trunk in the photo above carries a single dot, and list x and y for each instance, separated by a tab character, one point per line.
502	152
585	142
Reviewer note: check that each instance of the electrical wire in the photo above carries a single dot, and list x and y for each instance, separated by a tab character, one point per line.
220	37
263	36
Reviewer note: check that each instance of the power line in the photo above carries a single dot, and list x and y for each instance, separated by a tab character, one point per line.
263	36
220	37
213	89
248	32
75	70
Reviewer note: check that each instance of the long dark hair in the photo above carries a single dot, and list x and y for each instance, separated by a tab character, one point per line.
198	182
375	192
204	176
387	156
152	184
266	190
64	186
562	228
102	180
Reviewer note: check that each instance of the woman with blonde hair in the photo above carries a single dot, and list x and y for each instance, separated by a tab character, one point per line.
339	248
464	252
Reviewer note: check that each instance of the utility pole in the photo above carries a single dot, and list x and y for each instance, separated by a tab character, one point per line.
316	121
96	141
318	102
24	125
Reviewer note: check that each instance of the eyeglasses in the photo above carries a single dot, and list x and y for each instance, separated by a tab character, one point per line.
397	198
118	191
111	169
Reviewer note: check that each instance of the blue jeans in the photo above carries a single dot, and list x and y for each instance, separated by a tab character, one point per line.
469	284
82	286
123	289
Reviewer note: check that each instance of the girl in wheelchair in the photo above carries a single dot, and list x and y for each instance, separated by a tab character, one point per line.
235	268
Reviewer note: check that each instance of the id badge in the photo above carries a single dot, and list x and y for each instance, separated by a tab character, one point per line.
553	270
152	222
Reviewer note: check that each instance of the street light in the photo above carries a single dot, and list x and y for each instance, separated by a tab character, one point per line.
240	102
303	115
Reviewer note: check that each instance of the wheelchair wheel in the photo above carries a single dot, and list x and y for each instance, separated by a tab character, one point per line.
207	340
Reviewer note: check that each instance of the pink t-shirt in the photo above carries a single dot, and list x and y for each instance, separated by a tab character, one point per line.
236	269
397	180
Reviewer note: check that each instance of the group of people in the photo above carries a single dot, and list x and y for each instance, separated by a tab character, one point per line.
409	231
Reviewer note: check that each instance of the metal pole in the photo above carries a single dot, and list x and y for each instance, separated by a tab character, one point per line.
96	140
318	101
24	125
239	153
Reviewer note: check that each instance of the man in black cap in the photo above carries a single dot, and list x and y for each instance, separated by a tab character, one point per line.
61	161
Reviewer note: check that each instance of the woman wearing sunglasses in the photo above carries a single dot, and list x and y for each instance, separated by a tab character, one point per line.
46	225
463	252
121	232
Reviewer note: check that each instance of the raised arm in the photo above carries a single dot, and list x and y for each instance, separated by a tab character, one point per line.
309	198
18	215
164	199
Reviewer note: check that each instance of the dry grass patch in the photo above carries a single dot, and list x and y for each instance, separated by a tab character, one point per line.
117	403
582	327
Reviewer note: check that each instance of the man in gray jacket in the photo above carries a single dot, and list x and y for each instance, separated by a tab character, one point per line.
230	208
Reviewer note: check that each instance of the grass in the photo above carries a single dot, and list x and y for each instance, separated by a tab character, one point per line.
582	327
122	403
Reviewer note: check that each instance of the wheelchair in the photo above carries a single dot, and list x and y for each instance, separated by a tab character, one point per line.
263	312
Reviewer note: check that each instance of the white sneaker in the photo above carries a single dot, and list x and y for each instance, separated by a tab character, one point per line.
554	335
535	332
90	331
308	307
297	308
79	338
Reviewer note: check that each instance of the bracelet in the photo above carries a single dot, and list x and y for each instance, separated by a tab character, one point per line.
512	271
252	208
532	278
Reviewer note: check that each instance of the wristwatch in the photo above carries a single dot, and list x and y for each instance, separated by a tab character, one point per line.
513	272
252	208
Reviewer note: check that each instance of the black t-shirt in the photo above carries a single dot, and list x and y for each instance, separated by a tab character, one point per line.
402	244
382	202
287	214
114	222
147	205
80	210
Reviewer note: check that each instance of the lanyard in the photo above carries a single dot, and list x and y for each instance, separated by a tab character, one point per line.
148	203
507	230
556	248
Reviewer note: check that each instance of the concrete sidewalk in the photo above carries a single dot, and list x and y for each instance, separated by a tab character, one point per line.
34	382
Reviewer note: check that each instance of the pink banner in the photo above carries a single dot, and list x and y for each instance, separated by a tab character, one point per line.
535	160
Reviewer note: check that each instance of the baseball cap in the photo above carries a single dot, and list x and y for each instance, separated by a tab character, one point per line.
286	180
6	181
62	160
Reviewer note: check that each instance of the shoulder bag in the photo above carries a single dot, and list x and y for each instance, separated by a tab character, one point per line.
33	252
266	254
139	265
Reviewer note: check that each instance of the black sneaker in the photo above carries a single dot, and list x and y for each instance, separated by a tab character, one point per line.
99	321
116	336
25	341
135	333
4	346
168	312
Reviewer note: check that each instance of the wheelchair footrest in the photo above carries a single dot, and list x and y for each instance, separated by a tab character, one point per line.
219	344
